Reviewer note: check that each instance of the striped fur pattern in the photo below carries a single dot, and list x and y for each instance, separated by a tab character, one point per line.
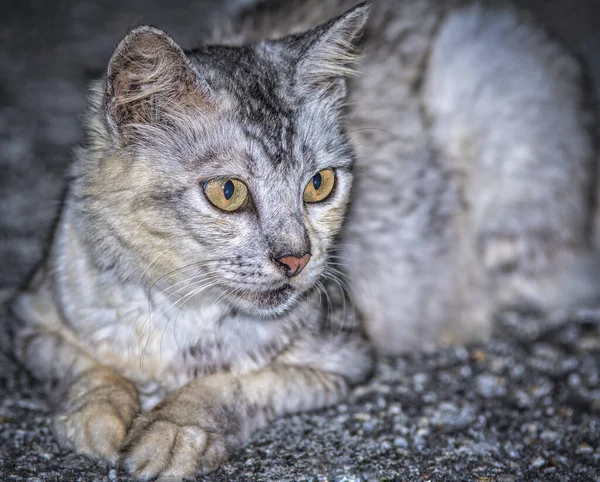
464	178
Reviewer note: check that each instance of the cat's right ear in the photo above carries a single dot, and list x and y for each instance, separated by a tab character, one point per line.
149	79
330	50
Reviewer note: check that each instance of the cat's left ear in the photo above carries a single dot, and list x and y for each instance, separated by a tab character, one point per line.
149	79
330	49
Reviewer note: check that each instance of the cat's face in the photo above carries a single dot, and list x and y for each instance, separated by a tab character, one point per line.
232	203
231	163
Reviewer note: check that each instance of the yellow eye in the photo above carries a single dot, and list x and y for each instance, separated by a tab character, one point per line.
226	193
320	186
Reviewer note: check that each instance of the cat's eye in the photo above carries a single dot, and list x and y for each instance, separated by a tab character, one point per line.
320	186
226	193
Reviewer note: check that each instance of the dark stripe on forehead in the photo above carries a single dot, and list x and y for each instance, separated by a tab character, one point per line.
263	89
275	140
265	106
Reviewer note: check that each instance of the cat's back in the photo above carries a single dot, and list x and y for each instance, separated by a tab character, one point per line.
271	19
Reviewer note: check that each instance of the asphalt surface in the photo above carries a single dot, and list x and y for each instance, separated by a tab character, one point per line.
525	406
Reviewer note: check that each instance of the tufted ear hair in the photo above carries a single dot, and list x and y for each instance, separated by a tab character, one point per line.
149	77
331	48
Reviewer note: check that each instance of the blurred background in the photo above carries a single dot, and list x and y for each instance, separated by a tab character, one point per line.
49	51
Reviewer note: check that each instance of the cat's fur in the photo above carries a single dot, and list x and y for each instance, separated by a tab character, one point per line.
475	171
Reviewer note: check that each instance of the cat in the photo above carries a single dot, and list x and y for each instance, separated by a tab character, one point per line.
241	214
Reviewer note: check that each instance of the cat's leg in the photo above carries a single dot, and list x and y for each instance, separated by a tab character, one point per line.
506	106
95	405
200	425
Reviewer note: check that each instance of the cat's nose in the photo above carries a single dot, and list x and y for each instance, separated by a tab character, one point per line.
293	265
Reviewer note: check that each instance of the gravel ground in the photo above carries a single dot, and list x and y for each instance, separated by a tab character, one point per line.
525	406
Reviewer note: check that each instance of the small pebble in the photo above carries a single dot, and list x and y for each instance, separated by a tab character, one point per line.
489	386
584	449
451	416
537	463
478	355
549	436
401	442
574	380
506	478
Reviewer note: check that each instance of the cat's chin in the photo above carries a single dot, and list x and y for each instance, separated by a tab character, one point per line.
266	303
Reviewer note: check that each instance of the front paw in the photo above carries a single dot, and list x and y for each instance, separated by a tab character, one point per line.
157	445
96	424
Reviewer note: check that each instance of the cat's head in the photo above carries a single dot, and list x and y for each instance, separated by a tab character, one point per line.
227	167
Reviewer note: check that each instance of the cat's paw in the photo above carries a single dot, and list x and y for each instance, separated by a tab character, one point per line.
158	446
96	424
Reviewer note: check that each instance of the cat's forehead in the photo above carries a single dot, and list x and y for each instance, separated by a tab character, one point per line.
251	89
257	150
261	121
252	75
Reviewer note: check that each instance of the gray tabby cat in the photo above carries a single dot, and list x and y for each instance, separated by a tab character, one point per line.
194	289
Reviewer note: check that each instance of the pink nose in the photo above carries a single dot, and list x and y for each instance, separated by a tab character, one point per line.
293	265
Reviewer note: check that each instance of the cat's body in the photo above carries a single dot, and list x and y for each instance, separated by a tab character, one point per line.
475	172
491	174
458	208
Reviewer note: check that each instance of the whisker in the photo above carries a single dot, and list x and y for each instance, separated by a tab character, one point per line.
361	129
150	317
196	278
151	263
170	274
327	298
344	293
224	296
182	302
189	281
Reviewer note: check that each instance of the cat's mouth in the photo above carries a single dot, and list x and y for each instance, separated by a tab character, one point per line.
266	301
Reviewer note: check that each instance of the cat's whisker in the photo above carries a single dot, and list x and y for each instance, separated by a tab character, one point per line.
150	317
174	272
151	263
327	298
319	293
216	301
224	296
179	270
196	278
329	312
192	335
182	302
341	247
220	297
340	287
339	261
345	292
137	228
396	136
129	339
335	263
